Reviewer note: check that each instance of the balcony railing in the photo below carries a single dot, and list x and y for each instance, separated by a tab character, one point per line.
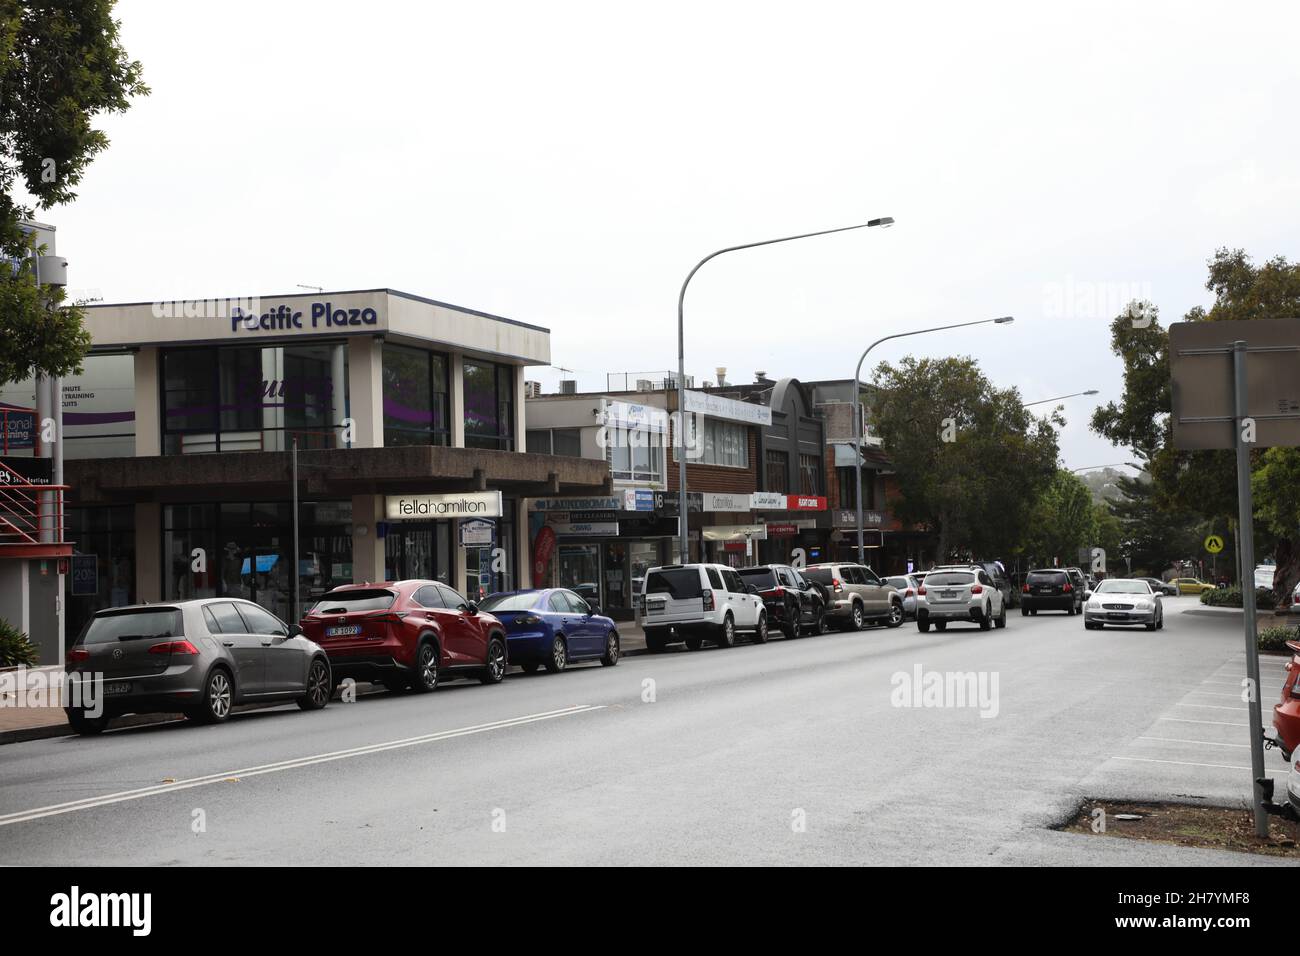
31	516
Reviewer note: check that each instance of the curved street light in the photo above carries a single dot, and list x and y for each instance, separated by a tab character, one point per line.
861	409
684	546
1060	398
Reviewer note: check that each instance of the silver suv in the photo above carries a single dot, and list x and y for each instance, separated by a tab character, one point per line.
691	602
856	596
959	594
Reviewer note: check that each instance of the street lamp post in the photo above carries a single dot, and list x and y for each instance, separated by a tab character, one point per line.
860	424
1060	398
680	438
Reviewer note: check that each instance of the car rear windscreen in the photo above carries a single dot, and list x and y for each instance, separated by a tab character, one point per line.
1045	577
759	577
939	579
898	582
820	575
138	625
362	599
510	602
678	583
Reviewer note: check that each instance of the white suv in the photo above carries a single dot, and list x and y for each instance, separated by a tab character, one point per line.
689	602
959	594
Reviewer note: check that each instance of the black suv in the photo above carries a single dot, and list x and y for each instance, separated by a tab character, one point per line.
1051	589
792	601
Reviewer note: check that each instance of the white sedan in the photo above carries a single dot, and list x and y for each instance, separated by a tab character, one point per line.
1123	601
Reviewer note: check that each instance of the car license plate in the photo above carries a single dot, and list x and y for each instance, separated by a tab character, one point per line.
947	594
654	608
1118	614
346	631
117	687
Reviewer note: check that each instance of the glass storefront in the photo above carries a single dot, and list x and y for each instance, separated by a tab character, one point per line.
419	549
489	405
492	568
248	398
417	398
247	552
107	535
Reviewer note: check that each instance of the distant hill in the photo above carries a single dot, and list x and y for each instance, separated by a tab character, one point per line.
1102	483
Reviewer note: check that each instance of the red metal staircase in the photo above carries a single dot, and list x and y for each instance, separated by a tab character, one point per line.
31	518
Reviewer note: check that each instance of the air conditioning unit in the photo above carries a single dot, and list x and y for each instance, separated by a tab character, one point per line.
645	385
568	386
532	389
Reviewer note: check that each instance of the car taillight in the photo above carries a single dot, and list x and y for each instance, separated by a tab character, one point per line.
707	596
921	591
387	617
528	620
977	589
1024	589
78	654
1068	587
778	591
175	647
907	593
835	584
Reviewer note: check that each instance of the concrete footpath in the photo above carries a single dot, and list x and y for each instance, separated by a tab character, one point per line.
37	713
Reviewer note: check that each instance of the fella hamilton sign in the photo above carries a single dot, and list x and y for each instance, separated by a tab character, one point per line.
468	504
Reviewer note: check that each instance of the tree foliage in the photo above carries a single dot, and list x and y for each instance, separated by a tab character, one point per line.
61	65
971	460
1063	520
1203	483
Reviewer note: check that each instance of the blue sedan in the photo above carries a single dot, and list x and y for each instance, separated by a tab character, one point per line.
552	627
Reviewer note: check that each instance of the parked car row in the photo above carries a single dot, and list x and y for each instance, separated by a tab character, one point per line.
694	603
202	657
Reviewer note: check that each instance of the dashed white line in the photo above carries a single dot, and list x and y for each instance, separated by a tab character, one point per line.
1183	740
1218	723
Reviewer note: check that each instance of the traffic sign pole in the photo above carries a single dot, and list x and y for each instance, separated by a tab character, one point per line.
1246	521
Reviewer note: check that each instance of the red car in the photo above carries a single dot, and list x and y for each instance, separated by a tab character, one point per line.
1286	713
406	634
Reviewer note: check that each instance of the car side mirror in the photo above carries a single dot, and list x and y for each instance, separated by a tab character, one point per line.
751	589
471	608
593	609
295	630
1087	595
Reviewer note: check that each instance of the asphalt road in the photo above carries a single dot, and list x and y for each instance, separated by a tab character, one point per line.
792	752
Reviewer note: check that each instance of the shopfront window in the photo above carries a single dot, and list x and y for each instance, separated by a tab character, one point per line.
418	550
253	399
417	399
246	550
491	568
489	405
106	538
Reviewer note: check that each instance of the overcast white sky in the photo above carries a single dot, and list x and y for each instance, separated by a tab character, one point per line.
566	164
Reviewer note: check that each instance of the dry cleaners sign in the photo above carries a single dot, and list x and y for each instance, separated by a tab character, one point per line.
469	504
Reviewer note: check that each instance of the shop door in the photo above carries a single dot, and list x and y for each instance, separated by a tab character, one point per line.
418	550
580	565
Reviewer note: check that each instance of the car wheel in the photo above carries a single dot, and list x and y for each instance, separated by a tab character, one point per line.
1034	612
87	726
986	618
319	686
727	632
941	625
426	669
790	626
1160	622
218	697
694	643
1001	619
819	621
530	667
760	633
494	669
1151	626
1024	611
859	619
895	614
559	658
611	649
923	626
654	641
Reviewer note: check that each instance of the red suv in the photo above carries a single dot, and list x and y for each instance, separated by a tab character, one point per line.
406	634
1286	713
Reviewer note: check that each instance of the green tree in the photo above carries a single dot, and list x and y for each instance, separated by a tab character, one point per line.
971	460
1152	536
1203	483
61	64
1063	521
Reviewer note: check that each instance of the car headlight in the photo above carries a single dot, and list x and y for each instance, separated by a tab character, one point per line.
1144	605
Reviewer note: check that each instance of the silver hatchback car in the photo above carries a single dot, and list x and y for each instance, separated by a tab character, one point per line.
198	657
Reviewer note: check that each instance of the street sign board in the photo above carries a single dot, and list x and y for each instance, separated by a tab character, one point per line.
1214	544
1200	369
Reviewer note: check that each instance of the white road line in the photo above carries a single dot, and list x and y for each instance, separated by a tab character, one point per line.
1219	723
1183	740
1185	763
1206	706
1210	693
23	816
